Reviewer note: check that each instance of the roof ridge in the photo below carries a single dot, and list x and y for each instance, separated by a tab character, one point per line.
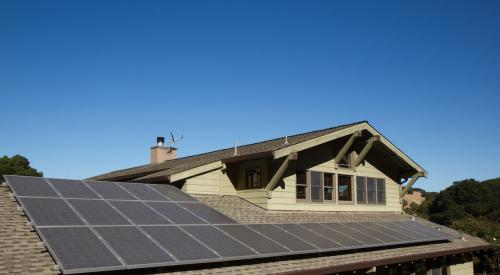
267	140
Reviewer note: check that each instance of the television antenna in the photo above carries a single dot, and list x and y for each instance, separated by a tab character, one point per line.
173	140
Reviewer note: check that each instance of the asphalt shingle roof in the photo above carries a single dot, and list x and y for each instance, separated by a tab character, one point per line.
170	167
21	254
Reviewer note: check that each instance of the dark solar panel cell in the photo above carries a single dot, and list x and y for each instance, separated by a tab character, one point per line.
401	227
218	241
290	241
139	212
366	229
30	186
252	239
393	232
309	236
133	246
79	249
98	212
45	212
73	189
142	191
175	213
332	234
209	214
172	192
179	243
366	239
109	190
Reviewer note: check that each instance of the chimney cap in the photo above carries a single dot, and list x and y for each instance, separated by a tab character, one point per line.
160	141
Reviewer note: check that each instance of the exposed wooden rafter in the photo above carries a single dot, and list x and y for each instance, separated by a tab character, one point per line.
279	173
413	179
346	147
365	150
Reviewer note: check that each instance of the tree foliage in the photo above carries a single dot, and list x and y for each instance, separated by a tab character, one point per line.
17	165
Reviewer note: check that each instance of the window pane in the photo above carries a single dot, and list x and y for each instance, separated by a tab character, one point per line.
371	191
301	192
315	178
301	185
381	191
328	179
361	190
328	193
301	178
253	178
345	188
316	194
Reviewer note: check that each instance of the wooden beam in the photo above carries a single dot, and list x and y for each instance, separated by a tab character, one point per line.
414	178
196	171
346	147
365	150
279	173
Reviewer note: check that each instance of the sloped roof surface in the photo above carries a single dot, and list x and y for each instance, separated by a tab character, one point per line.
20	253
171	167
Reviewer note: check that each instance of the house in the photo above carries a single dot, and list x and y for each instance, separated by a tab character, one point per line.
350	173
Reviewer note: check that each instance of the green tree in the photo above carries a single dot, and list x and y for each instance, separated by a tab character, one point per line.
17	165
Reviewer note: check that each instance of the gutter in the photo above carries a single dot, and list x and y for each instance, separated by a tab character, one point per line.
387	261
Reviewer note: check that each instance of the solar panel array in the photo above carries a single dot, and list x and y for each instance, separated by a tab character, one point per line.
99	226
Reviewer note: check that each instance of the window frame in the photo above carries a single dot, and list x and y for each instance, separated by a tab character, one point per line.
331	188
378	192
352	193
307	196
258	170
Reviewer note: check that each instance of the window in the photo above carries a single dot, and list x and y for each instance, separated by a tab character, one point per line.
345	188
361	190
301	189
316	188
328	188
253	178
370	190
380	191
345	161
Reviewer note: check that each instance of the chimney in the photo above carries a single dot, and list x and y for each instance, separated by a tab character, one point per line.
160	152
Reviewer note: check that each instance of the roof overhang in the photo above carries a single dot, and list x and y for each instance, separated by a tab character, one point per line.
365	126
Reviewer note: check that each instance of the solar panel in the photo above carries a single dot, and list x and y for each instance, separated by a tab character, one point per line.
30	186
218	241
133	246
172	192
309	236
139	213
208	214
179	243
175	213
47	211
333	235
285	239
78	249
101	226
143	192
98	212
253	239
109	190
73	189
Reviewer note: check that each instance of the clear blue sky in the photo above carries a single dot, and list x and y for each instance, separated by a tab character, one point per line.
86	86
